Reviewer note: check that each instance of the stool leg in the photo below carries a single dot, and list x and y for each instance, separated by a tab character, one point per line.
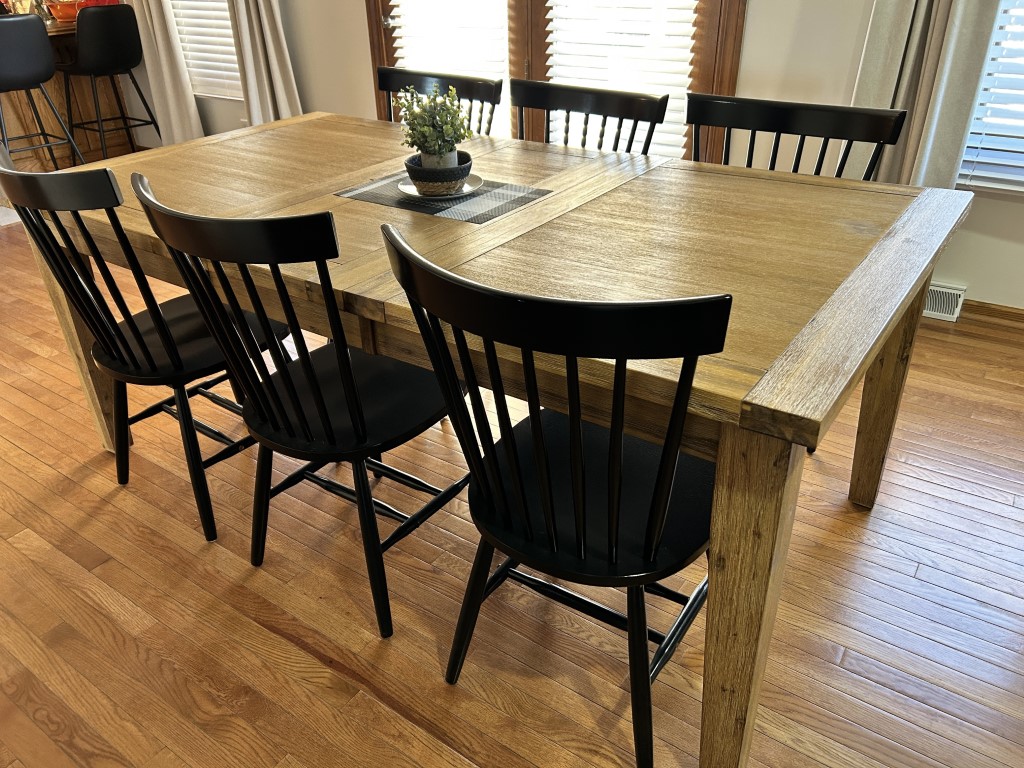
3	129
60	122
67	104
42	128
99	116
123	114
145	104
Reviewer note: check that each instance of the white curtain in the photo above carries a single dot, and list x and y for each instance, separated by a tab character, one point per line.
925	56
171	91
268	82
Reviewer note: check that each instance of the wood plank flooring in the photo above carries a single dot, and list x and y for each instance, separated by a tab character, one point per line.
127	640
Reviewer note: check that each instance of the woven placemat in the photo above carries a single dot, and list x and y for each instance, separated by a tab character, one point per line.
490	201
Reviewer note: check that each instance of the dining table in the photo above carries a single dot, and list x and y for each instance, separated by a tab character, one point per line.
829	279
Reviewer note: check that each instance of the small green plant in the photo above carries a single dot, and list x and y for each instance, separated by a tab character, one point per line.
434	123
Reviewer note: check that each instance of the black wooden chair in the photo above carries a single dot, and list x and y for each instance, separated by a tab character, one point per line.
165	344
479	95
107	44
333	403
26	62
565	100
824	123
559	494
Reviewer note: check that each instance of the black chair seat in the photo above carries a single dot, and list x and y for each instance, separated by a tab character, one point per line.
687	523
399	401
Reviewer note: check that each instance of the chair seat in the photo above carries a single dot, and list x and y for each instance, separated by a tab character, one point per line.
200	355
688	521
399	401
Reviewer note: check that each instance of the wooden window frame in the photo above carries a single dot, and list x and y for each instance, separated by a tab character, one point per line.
716	53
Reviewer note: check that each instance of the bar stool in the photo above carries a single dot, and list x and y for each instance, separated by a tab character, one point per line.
26	62
107	44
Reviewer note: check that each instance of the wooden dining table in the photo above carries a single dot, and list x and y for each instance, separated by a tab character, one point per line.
829	279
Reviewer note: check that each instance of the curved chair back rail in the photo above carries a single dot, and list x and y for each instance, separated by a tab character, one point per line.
26	62
164	344
563	495
846	125
107	44
319	403
587	102
479	95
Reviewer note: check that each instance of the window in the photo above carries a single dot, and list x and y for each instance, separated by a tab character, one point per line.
994	155
204	29
652	46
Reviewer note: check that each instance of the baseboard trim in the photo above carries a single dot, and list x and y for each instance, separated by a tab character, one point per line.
993	313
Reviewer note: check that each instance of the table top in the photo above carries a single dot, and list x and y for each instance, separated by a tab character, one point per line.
820	269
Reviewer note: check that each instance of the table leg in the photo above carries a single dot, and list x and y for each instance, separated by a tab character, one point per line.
880	403
98	387
755	499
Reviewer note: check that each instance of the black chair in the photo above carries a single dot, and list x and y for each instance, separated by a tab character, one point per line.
555	98
107	44
26	62
559	494
166	344
478	94
825	122
333	403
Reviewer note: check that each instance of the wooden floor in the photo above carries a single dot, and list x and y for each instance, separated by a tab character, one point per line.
126	639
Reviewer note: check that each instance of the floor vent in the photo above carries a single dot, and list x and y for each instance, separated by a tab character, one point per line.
944	301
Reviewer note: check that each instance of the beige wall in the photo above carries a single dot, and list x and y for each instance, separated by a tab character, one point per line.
800	50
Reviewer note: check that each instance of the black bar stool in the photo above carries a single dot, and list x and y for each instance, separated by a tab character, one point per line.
26	62
107	44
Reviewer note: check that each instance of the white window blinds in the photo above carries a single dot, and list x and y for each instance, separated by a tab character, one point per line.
465	37
204	28
631	45
994	155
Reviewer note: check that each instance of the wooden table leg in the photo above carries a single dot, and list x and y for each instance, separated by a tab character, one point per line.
755	499
880	403
99	388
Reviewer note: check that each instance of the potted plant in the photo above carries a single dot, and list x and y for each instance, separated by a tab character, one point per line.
434	123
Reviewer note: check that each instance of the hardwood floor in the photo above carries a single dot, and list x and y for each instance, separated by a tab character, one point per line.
126	639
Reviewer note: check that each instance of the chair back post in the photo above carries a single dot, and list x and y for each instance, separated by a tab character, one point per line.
50	206
620	106
828	123
474	334
479	95
215	257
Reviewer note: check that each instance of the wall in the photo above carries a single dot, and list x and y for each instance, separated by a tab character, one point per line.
809	50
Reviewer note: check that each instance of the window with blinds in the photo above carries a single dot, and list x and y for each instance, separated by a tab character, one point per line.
631	45
204	29
994	155
466	37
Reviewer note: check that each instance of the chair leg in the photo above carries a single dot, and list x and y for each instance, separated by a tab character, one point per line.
471	603
371	549
121	431
145	104
71	117
194	460
261	504
99	116
640	678
60	121
42	127
123	115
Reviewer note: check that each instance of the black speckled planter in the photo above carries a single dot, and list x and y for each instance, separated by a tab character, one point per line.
431	182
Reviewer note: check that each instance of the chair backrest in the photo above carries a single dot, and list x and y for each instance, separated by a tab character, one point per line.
50	206
107	40
478	94
26	56
844	125
216	258
555	98
493	329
